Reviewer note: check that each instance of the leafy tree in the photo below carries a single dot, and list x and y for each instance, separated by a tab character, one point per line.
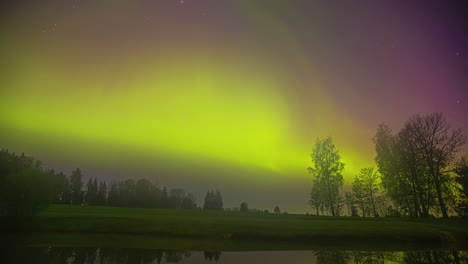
462	171
354	210
189	202
176	197
415	164
61	193
143	192
349	201
244	207
25	187
398	172
277	210
371	183
213	201
316	197
462	202
76	185
366	189
327	169
155	196
438	144
127	193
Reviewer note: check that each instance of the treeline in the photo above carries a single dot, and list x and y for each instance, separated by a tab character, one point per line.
140	193
26	187
418	173
89	255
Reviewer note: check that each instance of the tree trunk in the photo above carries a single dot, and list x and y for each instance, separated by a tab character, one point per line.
443	207
373	206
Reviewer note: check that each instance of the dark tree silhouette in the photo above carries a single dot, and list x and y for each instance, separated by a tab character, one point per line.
462	202
277	210
366	191
102	194
25	187
244	207
327	169
144	192
61	189
213	201
415	164
76	185
212	255
164	198
91	192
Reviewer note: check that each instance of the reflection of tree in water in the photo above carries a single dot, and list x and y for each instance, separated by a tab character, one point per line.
94	255
435	257
54	255
375	257
59	255
332	256
212	255
130	255
173	256
379	257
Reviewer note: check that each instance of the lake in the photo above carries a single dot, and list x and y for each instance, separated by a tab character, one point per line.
93	255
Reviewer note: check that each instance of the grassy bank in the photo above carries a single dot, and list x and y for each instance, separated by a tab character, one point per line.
237	226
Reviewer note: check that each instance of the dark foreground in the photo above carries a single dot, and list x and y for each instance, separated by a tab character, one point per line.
221	225
82	234
218	230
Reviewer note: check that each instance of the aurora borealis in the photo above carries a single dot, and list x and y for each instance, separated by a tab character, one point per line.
232	95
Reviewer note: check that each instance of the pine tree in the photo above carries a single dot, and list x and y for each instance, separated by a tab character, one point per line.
75	185
208	201
113	199
89	192
218	201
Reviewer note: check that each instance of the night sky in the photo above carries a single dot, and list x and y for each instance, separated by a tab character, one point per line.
206	94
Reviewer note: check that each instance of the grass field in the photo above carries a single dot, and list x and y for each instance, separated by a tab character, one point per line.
237	226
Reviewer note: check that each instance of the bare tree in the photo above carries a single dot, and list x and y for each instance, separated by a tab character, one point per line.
438	145
415	163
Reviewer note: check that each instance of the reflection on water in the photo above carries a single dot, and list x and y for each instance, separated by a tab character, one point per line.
112	255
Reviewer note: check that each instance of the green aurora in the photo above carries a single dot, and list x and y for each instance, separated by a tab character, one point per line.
104	85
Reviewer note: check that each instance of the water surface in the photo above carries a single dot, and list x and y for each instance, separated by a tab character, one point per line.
93	255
